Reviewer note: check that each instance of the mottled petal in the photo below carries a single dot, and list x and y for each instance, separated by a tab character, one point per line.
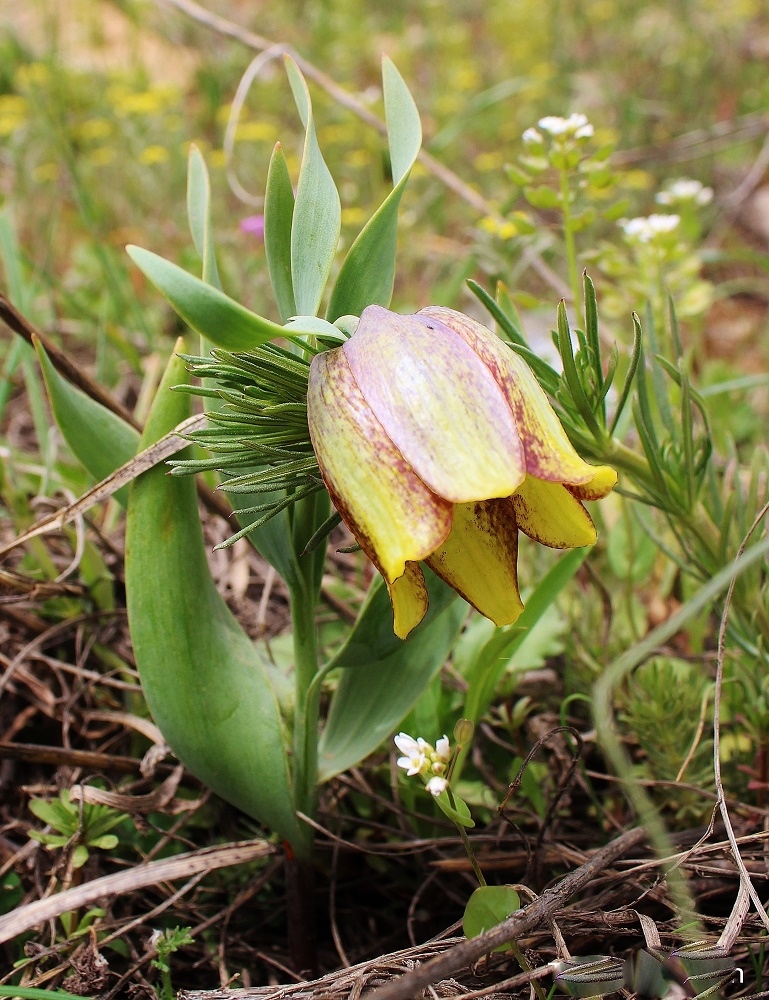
548	513
549	453
391	512
479	558
408	596
601	485
438	403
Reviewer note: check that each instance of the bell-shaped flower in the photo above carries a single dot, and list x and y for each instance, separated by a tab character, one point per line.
437	445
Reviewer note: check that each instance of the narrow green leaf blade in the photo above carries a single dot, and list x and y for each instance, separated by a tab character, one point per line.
278	218
495	654
210	312
206	687
199	214
368	272
317	217
100	440
386	675
404	129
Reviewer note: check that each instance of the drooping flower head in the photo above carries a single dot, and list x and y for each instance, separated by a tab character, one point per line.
437	445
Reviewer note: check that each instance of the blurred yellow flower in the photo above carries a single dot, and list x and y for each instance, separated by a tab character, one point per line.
10	124
94	128
46	172
353	215
151	155
101	156
486	162
13	105
256	132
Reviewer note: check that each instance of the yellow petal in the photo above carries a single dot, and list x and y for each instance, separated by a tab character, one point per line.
601	485
438	403
548	513
479	558
408	595
391	512
549	453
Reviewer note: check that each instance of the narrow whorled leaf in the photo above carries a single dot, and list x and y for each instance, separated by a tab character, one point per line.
210	312
100	440
199	214
386	674
206	687
278	218
368	272
317	216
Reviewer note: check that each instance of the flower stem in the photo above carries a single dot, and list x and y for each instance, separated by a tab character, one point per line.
568	234
305	711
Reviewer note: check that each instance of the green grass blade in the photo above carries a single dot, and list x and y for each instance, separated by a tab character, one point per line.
206	686
317	217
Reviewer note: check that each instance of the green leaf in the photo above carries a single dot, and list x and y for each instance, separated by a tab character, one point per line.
210	312
457	813
385	675
107	842
278	217
495	654
404	129
542	197
79	856
205	684
317	217
368	272
488	906
99	439
199	214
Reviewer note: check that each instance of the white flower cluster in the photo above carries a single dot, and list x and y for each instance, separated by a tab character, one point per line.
421	757
576	126
646	228
685	189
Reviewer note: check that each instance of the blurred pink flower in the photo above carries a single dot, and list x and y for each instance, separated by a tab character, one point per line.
253	225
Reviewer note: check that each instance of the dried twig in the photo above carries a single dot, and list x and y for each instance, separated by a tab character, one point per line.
26	917
441	958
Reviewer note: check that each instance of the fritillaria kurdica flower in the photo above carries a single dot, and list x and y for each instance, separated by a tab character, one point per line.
437	445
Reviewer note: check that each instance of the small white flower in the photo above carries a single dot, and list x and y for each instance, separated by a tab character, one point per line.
685	189
437	786
414	759
531	136
443	748
552	125
645	228
576	125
